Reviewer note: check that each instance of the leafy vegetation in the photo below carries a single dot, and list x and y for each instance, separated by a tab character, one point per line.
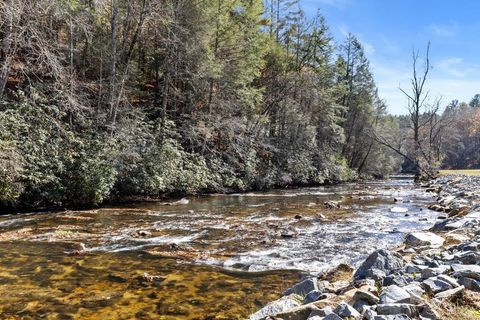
104	99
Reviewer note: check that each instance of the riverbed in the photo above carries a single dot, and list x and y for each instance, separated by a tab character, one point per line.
215	257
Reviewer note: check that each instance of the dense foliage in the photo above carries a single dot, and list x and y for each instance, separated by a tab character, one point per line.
103	99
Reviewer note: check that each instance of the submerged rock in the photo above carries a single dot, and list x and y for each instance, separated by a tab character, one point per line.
331	204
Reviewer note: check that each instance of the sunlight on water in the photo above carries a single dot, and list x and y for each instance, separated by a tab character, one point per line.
219	257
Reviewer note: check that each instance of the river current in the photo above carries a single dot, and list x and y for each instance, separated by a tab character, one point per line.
215	257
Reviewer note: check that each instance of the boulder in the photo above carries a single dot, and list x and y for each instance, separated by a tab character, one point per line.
394	294
470	284
392	317
414	288
397	279
369	314
397	309
312	296
303	288
321	312
466	270
412	269
455	292
432	272
344	310
416	239
428	313
366	296
383	261
468	257
298	313
332	316
434	285
449	280
361	305
275	307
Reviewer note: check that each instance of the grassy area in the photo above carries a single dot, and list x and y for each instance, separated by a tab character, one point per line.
470	172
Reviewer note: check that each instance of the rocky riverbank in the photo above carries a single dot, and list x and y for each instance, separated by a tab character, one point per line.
434	275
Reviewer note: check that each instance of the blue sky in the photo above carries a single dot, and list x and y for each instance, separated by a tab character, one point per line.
390	29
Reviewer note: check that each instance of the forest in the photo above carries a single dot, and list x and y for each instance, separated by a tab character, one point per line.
104	100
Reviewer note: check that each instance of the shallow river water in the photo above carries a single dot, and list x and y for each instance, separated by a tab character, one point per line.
217	257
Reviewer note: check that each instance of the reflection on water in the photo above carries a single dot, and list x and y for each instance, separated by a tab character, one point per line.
218	257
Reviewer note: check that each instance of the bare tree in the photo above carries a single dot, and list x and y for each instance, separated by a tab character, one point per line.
417	102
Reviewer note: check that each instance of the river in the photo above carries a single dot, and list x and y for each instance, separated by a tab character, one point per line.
216	257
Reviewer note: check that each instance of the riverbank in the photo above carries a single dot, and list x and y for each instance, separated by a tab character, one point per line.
434	275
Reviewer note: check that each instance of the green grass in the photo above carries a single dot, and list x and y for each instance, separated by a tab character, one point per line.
469	172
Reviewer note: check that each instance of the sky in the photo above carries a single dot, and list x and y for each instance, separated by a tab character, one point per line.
390	29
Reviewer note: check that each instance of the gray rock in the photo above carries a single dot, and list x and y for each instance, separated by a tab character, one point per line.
412	269
432	272
468	257
366	296
344	310
455	292
278	306
470	284
449	280
466	270
381	260
360	305
369	314
397	279
376	275
414	288
428	313
397	308
332	316
321	312
434	285
303	288
312	296
393	317
417	239
394	294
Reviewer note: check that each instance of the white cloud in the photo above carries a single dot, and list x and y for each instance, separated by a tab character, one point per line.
453	67
443	31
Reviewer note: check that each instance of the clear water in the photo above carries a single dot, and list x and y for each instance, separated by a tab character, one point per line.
217	257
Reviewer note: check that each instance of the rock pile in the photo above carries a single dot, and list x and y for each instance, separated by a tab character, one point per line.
409	283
